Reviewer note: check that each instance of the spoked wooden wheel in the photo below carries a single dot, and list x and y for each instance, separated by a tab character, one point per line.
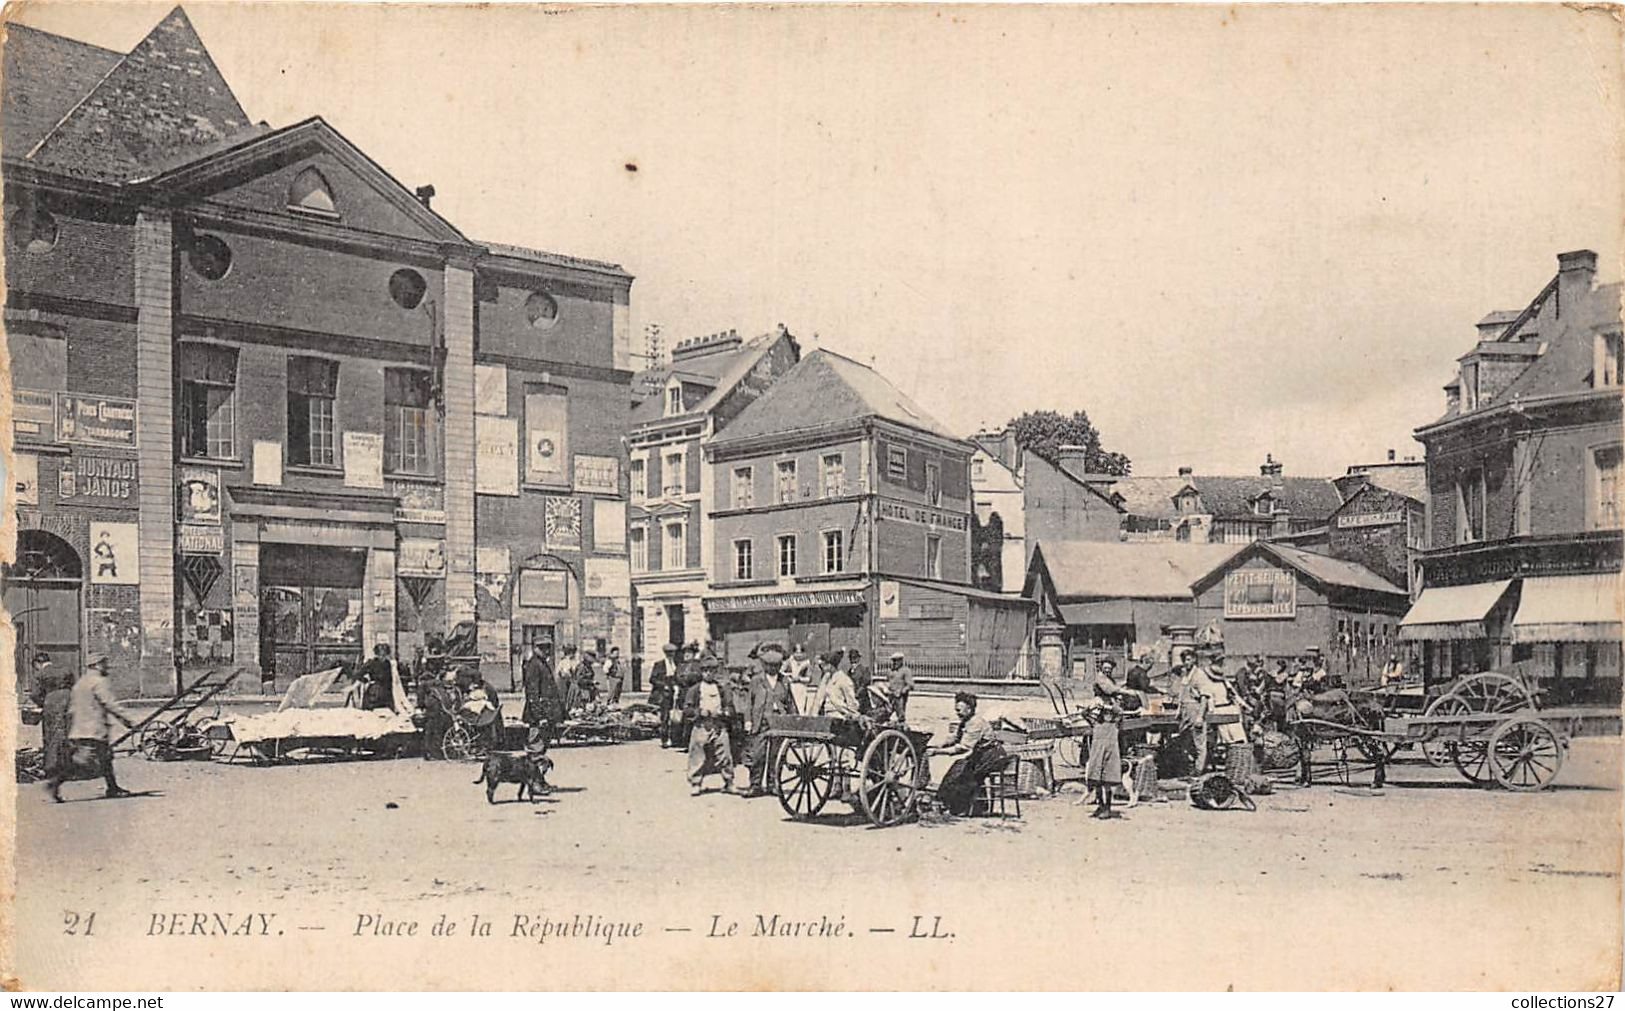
889	785
1524	755
806	778
458	744
1493	693
1440	752
1472	760
155	736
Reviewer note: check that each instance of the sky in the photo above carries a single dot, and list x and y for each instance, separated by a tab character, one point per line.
1222	231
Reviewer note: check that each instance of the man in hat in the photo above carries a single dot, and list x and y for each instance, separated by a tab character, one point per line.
899	685
92	708
543	707
688	675
770	696
707	707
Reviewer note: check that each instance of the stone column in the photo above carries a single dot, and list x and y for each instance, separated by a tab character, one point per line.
378	611
155	438
1051	650
457	327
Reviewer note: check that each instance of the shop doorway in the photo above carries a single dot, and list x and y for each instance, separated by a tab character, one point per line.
674	624
42	595
310	609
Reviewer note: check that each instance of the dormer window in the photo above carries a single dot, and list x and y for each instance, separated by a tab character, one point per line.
310	192
674	400
1185	503
1264	505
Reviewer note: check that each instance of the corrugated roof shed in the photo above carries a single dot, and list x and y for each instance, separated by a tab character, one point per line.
825	388
1330	571
1150	569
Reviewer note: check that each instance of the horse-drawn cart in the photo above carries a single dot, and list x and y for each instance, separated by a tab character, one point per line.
881	770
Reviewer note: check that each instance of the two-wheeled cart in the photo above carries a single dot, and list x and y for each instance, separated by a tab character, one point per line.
880	769
169	732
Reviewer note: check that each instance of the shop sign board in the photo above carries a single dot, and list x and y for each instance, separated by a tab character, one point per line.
1260	593
95	421
923	516
782	601
1374	519
33	415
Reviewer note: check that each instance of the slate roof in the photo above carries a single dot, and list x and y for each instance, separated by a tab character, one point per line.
1323	569
720	370
1306	498
1408	479
1113	569
1566	366
45	77
143	111
826	388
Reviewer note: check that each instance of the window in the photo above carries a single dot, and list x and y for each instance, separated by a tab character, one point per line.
897	463
209	256
976	471
742	560
1470	507
933	483
1607	371
1469	386
1264	506
313	385
674	400
208	401
310	192
32	229
834	551
1608	504
785	484
407	287
787	554
637	540
671	474
640	480
744	489
411	424
674	554
933	557
541	310
834	475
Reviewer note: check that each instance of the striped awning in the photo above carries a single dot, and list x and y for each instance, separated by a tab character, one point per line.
1584	608
1452	612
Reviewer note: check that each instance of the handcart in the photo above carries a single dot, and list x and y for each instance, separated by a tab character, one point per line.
880	769
168	732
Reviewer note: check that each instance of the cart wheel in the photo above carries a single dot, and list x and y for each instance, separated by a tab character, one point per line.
1493	693
1472	760
1525	754
806	778
1441	752
458	744
155	737
889	787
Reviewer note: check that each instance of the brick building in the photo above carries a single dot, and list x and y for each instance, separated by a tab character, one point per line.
707	383
841	517
1525	502
271	407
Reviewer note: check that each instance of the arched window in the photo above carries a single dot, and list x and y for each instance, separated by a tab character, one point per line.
310	192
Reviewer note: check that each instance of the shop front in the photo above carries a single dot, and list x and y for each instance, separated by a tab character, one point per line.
817	620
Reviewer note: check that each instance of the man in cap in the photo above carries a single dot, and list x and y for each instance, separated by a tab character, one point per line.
92	708
770	696
662	689
707	707
899	683
543	707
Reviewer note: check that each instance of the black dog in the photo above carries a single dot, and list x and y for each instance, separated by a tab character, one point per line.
529	771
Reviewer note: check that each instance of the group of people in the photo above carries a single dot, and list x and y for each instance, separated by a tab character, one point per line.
77	722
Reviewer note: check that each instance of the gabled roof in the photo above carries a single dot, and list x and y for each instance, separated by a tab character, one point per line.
45	77
1322	569
825	388
1407	479
1303	497
1114	569
163	100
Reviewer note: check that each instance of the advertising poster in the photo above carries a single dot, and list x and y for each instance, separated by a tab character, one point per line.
491	389
199	495
608	577
95	421
597	475
421	556
546	447
25	478
363	460
608	524
113	559
561	519
268	463
496	456
544	588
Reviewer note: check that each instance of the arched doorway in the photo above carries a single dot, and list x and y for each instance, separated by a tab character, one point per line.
42	595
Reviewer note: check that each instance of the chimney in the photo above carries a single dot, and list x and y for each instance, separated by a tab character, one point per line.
1270	468
1186	472
1575	273
425	194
